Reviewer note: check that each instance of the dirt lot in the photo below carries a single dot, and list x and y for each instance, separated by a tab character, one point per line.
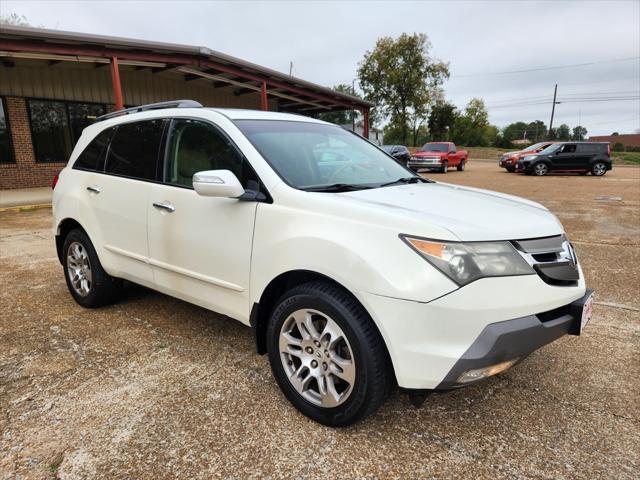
156	388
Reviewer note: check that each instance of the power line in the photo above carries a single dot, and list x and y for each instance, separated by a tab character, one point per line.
567	100
538	69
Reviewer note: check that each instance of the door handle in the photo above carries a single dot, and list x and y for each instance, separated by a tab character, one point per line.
166	206
93	189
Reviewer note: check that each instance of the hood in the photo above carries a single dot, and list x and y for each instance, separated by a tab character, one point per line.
470	214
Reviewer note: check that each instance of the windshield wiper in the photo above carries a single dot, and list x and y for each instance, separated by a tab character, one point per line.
406	180
336	187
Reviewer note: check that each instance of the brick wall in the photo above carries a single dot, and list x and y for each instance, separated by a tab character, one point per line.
25	172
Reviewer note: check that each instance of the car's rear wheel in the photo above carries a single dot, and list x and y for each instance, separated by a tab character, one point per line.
461	165
598	169
87	281
326	355
540	169
445	167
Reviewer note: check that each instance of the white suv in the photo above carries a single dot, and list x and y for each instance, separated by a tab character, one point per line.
354	273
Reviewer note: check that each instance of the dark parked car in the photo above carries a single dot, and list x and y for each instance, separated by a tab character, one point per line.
399	152
581	157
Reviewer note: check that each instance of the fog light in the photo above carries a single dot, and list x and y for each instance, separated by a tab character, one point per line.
480	373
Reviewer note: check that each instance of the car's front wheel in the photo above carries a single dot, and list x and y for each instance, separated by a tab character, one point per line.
598	169
87	281
445	167
511	169
540	169
326	355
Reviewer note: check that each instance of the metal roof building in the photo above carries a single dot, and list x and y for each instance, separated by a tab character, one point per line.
52	83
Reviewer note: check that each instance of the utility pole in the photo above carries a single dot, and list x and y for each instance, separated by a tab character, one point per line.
553	108
291	68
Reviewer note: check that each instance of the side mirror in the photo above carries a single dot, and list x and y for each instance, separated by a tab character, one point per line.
217	183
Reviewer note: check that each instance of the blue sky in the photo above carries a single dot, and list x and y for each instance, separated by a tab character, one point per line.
590	48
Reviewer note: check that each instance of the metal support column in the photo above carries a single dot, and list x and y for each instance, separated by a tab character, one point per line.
115	80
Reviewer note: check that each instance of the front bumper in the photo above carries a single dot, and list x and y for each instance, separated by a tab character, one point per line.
430	342
506	164
514	340
427	164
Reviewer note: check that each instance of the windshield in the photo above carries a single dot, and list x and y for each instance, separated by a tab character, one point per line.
312	155
434	147
550	149
535	146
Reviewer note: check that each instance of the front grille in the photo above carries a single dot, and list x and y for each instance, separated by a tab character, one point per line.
552	258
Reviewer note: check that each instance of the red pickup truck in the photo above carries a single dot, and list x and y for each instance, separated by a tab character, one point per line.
438	156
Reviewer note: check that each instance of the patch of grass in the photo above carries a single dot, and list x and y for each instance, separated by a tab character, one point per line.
491	153
55	465
626	158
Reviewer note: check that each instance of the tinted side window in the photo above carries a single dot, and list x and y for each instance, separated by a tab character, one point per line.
198	146
134	149
585	148
93	154
568	148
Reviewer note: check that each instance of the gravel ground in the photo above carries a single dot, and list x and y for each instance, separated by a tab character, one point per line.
156	388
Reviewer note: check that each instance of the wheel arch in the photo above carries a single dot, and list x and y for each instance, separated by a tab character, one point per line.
62	230
261	310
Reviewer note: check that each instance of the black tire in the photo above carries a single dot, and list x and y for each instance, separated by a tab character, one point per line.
445	167
511	169
540	169
373	379
598	169
104	289
460	166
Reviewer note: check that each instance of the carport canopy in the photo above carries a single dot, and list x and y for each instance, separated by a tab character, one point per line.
190	63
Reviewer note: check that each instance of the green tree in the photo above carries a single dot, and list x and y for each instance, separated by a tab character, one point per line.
579	133
344	116
536	131
472	127
514	131
441	119
403	79
563	132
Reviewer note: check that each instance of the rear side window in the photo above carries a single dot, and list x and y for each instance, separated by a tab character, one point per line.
92	156
134	149
586	148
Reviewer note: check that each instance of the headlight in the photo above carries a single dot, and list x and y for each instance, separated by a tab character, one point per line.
530	157
466	262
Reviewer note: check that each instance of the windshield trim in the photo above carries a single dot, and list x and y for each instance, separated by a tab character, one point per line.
366	186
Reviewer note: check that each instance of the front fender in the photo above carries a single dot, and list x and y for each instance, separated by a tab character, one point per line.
361	256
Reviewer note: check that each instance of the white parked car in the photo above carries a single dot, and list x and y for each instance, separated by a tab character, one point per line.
355	273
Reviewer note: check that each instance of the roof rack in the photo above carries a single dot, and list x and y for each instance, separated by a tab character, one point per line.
151	106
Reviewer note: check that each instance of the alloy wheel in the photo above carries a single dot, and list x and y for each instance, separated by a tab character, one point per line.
317	358
540	169
599	169
79	268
